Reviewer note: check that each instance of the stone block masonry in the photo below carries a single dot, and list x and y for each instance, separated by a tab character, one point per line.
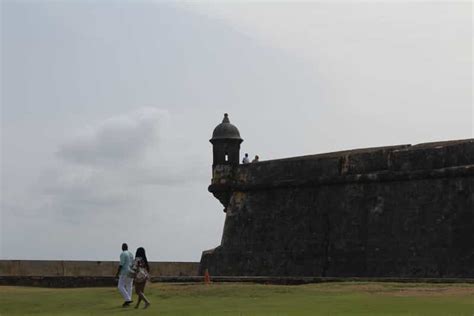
58	273
60	268
398	211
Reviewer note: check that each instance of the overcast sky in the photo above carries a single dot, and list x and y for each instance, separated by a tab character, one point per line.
108	107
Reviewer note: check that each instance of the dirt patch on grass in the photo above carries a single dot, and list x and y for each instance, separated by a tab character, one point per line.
400	289
429	291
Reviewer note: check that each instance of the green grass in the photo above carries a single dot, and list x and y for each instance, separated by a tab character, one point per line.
249	299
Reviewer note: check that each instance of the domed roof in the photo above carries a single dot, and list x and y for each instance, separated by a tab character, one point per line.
225	130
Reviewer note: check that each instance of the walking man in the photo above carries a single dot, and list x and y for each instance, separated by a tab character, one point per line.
125	281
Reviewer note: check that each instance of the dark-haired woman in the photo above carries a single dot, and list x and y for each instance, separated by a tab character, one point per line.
141	271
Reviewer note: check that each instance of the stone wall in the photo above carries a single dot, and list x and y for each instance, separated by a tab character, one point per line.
399	211
44	268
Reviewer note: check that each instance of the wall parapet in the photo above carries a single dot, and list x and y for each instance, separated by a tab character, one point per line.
393	163
382	176
71	268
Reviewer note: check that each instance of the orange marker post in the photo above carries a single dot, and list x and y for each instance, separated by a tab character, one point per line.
207	277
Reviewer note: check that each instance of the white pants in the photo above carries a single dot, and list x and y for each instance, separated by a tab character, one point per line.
125	287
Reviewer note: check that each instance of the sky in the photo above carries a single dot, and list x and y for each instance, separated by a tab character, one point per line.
107	107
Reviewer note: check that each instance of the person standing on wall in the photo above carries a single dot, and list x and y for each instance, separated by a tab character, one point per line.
123	273
246	159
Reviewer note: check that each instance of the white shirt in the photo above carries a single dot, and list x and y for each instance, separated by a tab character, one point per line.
245	160
126	261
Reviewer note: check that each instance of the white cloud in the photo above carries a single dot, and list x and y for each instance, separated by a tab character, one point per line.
116	140
107	167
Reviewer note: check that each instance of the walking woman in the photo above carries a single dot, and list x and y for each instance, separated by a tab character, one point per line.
141	271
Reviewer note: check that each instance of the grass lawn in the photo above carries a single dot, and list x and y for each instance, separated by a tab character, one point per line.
248	299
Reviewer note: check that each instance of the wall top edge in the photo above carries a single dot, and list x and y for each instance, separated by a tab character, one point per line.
368	150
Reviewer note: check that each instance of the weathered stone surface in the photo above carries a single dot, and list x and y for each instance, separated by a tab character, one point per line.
433	156
57	281
60	268
401	211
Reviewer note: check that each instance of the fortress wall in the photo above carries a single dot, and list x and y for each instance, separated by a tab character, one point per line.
53	268
331	167
316	166
402	211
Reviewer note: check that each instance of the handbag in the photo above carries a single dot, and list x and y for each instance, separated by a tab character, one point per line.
141	275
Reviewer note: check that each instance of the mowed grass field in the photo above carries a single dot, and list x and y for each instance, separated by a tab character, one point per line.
344	298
